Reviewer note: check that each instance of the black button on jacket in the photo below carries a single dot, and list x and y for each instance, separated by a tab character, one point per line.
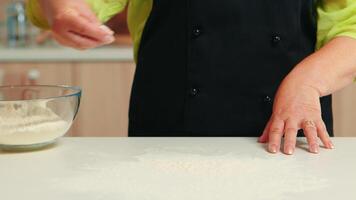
211	68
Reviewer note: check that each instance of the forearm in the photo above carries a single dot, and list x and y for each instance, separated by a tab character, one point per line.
330	68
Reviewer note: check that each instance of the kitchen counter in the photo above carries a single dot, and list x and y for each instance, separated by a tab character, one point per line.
61	54
177	168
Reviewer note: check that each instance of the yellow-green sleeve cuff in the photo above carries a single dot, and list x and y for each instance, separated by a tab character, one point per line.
336	18
104	10
34	13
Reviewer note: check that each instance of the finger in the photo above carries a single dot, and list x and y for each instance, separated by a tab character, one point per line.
324	135
77	24
106	29
82	42
62	41
290	136
75	41
92	31
310	132
275	134
89	16
264	137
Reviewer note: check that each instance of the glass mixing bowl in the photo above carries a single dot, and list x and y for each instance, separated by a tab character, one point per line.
35	116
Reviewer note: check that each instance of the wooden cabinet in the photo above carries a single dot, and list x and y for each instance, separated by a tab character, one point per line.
106	90
49	73
344	106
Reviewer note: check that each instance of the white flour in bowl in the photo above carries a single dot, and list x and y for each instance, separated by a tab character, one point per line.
24	123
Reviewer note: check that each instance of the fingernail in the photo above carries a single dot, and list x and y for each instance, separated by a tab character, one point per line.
109	39
106	29
273	148
331	145
314	148
289	150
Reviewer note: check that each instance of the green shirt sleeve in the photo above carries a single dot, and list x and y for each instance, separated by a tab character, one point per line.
336	18
106	9
103	9
34	14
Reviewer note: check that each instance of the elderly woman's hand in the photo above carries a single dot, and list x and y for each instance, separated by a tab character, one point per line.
296	106
74	24
297	102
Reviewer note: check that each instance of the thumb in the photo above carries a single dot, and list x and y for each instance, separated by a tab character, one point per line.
264	137
89	16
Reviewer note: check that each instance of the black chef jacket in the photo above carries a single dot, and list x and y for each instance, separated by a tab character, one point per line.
212	68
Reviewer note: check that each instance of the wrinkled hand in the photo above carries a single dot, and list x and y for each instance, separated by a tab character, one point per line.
74	24
296	106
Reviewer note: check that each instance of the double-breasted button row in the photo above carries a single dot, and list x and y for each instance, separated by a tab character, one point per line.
197	32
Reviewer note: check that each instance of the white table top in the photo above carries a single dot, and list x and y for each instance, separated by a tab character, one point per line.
177	168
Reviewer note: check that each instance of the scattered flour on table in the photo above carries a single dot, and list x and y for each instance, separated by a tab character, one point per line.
29	123
160	175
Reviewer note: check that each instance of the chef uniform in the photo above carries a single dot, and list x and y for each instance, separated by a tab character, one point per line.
212	68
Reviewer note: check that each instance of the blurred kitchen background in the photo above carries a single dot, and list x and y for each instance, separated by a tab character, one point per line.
29	56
